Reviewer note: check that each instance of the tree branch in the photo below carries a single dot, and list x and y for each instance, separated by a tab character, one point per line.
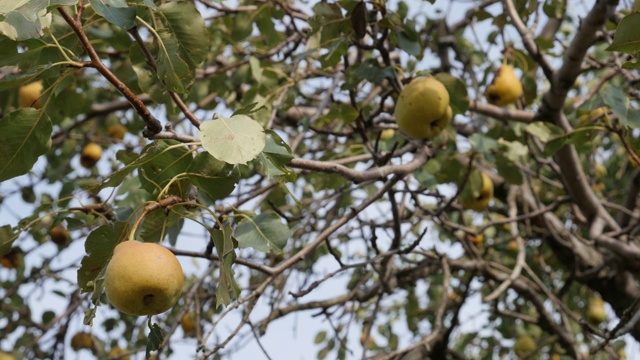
153	125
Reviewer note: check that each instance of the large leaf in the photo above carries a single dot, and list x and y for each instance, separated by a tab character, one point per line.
265	232
236	140
213	176
24	136
116	12
191	36
627	37
99	247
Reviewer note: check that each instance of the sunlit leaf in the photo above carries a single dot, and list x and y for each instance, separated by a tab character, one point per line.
236	140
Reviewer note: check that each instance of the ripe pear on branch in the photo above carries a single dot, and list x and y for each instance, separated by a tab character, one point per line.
480	199
29	95
422	110
506	88
143	278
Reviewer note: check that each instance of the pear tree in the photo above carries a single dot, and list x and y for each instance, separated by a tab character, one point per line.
374	179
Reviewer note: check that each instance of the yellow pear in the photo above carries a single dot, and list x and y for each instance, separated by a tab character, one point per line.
118	352
117	131
82	340
480	201
59	235
524	345
506	88
29	95
387	134
188	324
476	240
422	110
143	278
13	259
596	313
90	155
6	356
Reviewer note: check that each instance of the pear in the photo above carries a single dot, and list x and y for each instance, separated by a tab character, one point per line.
59	235
422	110
524	345
90	155
596	313
117	131
480	201
143	278
29	95
119	353
82	340
506	88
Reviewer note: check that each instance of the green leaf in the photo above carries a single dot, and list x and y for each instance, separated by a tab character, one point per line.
275	156
99	248
543	130
359	19
265	232
147	79
627	37
214	177
409	41
173	71
320	337
24	20
508	170
157	225
151	155
12	81
577	136
514	150
228	288
166	160
7	236
620	103
191	36
457	92
482	144
156	338
24	136
236	140
118	15
373	72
